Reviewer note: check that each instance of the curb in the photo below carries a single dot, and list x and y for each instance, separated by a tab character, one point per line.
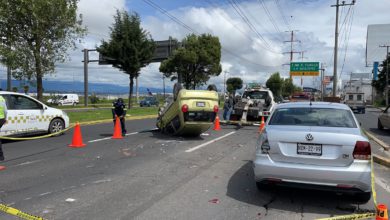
131	118
381	160
377	140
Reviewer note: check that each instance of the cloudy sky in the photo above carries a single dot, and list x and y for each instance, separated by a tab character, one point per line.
251	50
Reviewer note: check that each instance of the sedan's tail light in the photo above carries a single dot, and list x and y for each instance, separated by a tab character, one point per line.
262	146
184	108
216	108
362	150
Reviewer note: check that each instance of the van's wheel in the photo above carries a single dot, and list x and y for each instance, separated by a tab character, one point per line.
380	126
56	125
74	103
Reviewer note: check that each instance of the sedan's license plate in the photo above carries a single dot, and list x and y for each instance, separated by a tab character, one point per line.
309	149
200	104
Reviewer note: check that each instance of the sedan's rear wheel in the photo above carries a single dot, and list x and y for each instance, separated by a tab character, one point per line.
56	125
380	126
363	197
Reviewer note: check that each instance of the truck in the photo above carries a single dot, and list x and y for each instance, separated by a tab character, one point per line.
256	101
355	100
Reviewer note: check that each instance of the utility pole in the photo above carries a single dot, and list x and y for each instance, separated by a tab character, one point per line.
224	82
336	38
291	52
86	61
387	74
302	57
322	81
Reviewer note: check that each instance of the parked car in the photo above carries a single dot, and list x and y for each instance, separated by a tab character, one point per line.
68	99
26	115
149	101
384	119
191	112
316	145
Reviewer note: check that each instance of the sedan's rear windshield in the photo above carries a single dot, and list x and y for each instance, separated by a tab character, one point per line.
323	117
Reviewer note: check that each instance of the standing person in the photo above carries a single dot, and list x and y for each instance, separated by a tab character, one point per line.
119	110
228	107
3	117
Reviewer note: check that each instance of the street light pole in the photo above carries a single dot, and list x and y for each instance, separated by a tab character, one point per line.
224	82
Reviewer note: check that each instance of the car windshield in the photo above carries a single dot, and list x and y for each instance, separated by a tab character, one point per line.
255	94
323	117
149	99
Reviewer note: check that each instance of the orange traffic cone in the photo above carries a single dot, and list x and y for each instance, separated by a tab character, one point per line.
262	125
117	129
217	126
381	213
77	140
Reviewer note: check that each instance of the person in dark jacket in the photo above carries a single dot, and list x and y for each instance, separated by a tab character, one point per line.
228	107
119	110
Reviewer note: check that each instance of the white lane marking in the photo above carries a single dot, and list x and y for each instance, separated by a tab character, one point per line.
28	163
102	181
101	139
133	133
108	138
382	183
28	198
209	142
43	194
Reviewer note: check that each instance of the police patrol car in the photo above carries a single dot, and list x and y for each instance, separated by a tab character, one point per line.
26	115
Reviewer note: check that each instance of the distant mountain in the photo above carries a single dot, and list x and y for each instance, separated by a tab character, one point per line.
78	87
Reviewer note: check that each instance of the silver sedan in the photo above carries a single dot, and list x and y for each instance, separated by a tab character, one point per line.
315	145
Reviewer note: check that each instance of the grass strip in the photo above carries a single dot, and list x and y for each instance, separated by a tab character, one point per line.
101	114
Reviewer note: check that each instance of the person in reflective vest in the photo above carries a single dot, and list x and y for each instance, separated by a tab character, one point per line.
119	109
3	117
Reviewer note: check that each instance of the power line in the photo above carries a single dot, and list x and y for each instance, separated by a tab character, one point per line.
347	41
272	20
283	15
178	21
238	10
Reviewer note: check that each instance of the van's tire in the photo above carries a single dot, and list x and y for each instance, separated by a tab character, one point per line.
56	125
74	104
380	126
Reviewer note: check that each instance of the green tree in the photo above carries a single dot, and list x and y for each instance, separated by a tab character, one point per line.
129	48
38	34
195	62
275	84
288	87
380	83
233	84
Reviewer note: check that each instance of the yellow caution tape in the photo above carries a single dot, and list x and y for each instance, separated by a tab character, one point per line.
37	137
350	217
18	213
373	182
365	215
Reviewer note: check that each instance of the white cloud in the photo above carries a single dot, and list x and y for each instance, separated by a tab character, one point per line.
314	20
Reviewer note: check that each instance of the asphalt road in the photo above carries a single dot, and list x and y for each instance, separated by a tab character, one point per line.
148	175
369	122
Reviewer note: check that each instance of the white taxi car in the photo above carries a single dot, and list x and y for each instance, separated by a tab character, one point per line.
26	115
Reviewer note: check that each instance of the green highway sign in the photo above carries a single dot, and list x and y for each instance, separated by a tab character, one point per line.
304	68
